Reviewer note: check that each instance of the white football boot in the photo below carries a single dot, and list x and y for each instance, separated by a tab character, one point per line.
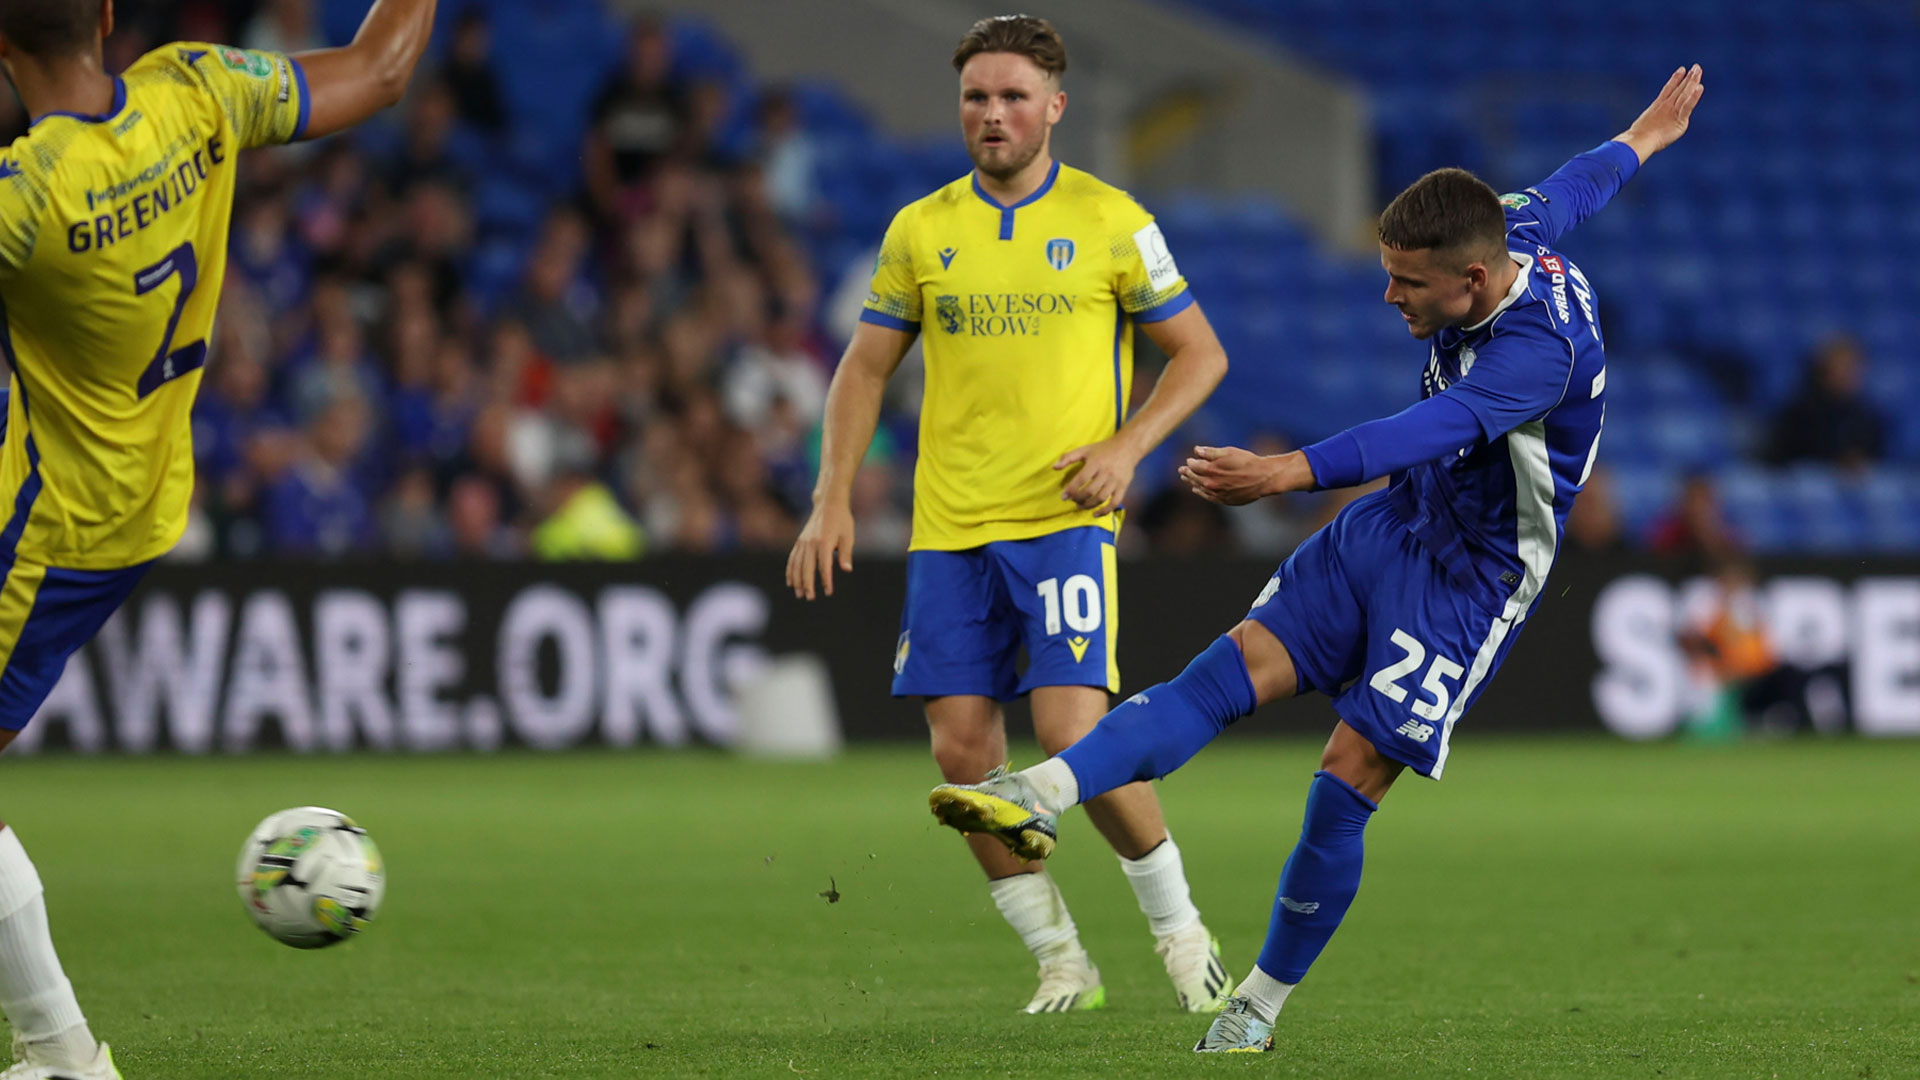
1192	957
1068	983
24	1068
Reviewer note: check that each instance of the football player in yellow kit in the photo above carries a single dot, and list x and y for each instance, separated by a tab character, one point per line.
114	213
1025	280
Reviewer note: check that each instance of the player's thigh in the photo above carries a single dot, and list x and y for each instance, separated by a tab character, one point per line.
47	613
1430	646
1314	607
958	634
1065	588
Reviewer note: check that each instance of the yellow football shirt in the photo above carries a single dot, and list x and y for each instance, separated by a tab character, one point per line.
1028	313
113	244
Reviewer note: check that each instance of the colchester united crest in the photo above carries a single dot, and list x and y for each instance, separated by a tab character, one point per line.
1059	253
948	310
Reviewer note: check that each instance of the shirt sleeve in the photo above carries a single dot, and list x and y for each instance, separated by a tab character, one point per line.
1575	192
1420	432
1146	282
893	300
264	94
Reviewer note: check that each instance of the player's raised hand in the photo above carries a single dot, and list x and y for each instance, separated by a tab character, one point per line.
1234	477
1664	121
1106	471
827	538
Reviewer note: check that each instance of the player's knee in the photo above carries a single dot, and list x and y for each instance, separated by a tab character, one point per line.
1353	759
1269	665
964	756
963	763
1055	739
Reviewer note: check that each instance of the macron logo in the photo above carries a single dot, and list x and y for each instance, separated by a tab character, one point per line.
8	168
946	257
1299	908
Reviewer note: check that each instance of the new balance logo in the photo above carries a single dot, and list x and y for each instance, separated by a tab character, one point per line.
1298	908
1415	730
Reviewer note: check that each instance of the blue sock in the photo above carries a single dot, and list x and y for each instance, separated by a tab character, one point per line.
1320	878
1154	732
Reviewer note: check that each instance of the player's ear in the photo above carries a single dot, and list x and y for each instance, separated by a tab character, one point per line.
1057	105
106	19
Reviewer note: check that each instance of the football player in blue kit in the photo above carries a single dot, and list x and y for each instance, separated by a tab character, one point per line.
1404	605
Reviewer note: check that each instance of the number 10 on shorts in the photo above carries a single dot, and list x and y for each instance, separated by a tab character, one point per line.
1079	600
1387	681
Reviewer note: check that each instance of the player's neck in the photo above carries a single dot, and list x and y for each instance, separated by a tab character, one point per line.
1500	281
73	85
1019	185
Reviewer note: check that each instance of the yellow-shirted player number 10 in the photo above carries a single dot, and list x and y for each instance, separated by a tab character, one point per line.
170	363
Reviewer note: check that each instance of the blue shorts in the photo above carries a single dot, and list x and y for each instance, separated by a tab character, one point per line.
970	612
45	615
1377	624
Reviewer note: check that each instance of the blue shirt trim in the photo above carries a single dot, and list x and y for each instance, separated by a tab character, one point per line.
306	101
1166	310
119	103
1006	212
881	318
1119	335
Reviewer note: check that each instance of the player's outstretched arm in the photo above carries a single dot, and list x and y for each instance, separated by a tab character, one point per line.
1196	362
1519	376
348	85
853	411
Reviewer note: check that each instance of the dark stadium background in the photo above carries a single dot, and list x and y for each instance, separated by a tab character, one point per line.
578	298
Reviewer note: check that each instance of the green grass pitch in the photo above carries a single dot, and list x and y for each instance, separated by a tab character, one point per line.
1555	908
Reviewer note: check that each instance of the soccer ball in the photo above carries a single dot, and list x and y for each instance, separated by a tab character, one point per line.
310	877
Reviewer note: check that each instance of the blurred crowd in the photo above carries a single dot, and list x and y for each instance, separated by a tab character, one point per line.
647	374
649	379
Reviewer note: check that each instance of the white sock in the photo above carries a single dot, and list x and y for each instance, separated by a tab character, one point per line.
1055	783
34	992
1160	882
1034	908
1266	992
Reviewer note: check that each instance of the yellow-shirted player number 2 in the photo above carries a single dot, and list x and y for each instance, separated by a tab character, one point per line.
115	209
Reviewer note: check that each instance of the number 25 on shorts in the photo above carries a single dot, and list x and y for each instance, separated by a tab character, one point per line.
1434	684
